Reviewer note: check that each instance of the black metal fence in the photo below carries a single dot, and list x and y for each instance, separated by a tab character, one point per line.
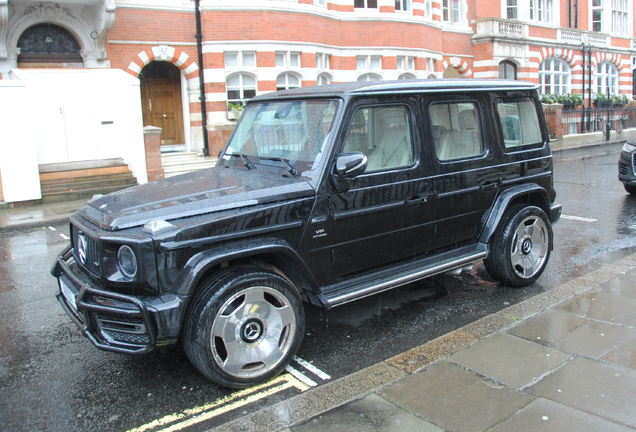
591	120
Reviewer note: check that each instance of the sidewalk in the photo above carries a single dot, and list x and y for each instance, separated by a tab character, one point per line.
564	360
12	219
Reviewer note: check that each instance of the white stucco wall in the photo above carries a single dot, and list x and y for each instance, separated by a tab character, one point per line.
18	155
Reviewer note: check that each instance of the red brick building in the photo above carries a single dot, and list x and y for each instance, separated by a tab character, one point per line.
249	47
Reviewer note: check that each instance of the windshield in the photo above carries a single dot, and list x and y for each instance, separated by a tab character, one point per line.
288	134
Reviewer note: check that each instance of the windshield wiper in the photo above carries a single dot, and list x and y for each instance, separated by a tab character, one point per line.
292	170
246	162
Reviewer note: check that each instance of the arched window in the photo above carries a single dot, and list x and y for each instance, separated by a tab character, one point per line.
507	70
240	87
287	81
48	43
369	77
407	76
323	79
606	76
554	76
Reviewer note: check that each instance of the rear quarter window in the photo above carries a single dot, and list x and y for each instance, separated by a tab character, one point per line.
519	122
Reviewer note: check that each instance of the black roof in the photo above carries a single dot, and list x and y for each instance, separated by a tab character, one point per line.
400	86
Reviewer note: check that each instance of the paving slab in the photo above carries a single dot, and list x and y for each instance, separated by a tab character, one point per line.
594	339
370	414
622	285
602	307
596	388
623	355
548	327
456	399
547	416
508	359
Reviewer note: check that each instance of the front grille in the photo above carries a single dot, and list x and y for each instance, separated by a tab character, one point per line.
91	251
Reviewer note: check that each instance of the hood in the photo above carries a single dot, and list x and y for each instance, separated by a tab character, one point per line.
196	193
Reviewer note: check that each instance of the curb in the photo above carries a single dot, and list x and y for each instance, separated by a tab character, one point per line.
35	223
355	386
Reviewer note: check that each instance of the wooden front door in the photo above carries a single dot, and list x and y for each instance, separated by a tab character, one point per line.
161	107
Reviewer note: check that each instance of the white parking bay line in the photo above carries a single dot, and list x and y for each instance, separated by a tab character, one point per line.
313	369
299	376
577	218
64	236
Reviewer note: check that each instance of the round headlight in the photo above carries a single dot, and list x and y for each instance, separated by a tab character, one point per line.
127	261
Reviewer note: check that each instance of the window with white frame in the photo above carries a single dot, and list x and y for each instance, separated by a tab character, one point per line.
323	79
620	17
240	87
430	65
554	76
320	2
507	70
369	62
322	61
239	60
287	59
451	11
407	76
287	81
428	8
366	4
512	9
541	11
369	77
403	5
606	75
406	63
597	15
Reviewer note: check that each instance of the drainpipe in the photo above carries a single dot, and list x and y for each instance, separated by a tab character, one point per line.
204	115
584	110
589	89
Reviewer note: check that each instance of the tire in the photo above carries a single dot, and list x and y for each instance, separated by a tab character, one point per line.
244	326
520	249
630	189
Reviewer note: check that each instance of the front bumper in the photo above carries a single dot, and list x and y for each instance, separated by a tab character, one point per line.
111	321
626	172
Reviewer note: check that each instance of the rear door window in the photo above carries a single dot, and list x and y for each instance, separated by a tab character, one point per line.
456	130
519	122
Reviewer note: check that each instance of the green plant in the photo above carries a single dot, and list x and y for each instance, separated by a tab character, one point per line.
618	99
600	97
548	98
235	107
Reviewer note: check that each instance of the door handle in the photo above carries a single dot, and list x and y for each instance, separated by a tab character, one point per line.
488	186
416	200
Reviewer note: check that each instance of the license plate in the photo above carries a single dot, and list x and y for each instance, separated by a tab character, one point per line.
68	295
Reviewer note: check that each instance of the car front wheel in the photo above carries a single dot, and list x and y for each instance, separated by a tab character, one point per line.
520	249
244	327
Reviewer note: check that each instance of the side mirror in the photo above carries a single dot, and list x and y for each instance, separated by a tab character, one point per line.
348	166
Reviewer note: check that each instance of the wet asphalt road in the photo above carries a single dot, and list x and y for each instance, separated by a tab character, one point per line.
53	379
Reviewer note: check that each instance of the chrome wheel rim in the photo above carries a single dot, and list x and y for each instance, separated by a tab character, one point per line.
253	332
529	247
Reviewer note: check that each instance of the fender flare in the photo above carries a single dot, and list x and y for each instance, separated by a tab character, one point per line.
201	262
491	219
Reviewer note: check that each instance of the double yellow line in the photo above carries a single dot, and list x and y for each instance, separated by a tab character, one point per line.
189	417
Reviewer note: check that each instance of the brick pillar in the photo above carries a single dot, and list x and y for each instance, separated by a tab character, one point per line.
153	153
554	119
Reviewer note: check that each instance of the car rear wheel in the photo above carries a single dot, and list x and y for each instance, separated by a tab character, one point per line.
244	327
520	249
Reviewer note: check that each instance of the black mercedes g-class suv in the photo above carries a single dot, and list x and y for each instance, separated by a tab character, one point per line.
322	195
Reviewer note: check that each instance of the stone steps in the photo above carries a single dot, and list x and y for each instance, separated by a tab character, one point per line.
181	163
81	180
